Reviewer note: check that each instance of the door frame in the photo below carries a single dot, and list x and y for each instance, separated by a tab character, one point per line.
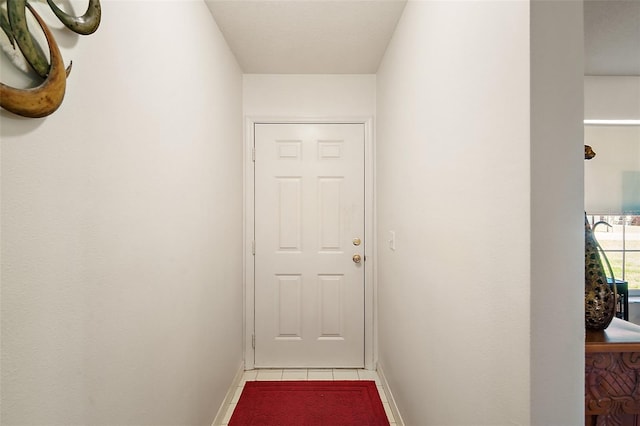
370	313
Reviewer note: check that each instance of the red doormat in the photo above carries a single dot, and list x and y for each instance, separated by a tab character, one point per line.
314	403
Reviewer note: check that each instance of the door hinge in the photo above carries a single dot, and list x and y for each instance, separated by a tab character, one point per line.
253	341
253	154
253	247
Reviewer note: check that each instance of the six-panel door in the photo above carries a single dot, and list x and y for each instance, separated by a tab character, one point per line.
309	227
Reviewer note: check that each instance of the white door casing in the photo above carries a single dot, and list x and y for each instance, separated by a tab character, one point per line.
309	294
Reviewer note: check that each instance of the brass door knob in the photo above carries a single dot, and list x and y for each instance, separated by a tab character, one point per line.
357	258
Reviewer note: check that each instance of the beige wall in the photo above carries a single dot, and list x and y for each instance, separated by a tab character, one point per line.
611	181
462	317
557	213
612	97
309	96
313	97
122	220
121	229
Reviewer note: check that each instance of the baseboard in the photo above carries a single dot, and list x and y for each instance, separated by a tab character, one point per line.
390	399
217	421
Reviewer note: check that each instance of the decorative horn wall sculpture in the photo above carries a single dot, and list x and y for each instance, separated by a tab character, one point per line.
85	24
47	97
44	99
27	44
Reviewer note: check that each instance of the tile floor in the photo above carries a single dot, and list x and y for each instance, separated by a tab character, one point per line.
308	374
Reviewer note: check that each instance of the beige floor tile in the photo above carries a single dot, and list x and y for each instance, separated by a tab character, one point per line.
294	375
320	375
248	376
387	409
369	375
383	395
227	416
344	374
266	375
236	396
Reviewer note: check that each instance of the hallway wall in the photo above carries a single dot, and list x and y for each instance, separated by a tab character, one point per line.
611	97
314	97
309	95
557	213
458	305
122	228
608	182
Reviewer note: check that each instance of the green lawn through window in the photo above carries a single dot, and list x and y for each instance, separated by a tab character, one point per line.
621	243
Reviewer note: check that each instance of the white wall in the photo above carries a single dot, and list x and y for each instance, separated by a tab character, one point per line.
313	97
454	167
122	228
612	97
557	213
309	96
612	178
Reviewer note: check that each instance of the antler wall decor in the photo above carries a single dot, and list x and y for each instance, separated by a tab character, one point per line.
44	99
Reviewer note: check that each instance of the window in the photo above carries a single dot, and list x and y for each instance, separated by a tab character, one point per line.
619	238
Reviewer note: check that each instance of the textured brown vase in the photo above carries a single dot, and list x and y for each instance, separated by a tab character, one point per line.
599	298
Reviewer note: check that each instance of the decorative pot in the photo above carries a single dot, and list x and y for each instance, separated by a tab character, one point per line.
599	297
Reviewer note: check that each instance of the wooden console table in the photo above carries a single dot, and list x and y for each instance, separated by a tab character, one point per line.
612	375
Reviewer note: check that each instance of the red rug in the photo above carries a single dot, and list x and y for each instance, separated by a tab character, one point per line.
314	403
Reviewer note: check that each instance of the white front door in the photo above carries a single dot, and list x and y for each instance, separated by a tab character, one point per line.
309	231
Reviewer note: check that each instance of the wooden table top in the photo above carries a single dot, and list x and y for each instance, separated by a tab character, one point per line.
620	336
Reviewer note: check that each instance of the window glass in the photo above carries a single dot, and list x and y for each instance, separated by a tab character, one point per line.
633	233
632	269
609	237
616	262
620	240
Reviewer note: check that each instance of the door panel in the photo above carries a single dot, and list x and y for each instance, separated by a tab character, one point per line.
309	208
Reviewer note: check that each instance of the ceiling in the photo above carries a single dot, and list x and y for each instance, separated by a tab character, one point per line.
350	36
307	36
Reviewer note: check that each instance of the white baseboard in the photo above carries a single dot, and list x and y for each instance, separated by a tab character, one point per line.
387	391
217	421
